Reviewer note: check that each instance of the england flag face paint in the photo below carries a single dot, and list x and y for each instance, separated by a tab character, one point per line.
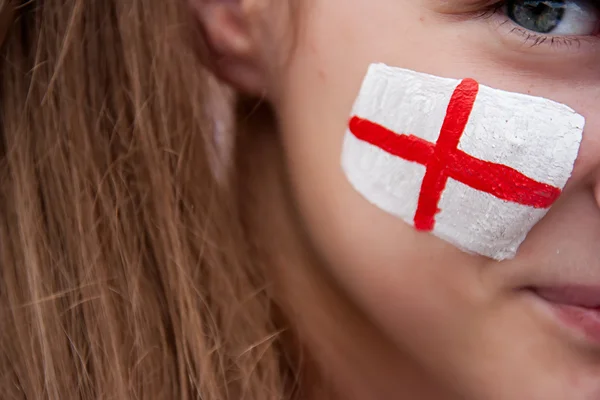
475	166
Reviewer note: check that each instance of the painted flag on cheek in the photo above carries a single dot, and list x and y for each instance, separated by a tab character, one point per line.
475	166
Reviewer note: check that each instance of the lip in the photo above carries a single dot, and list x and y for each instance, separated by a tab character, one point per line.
576	307
577	296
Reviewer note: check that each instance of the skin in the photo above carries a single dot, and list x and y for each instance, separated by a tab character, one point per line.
393	313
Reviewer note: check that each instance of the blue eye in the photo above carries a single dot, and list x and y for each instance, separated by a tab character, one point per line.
556	17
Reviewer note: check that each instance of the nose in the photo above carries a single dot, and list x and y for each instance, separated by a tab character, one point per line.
597	189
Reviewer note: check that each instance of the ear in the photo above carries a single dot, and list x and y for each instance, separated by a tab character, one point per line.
233	42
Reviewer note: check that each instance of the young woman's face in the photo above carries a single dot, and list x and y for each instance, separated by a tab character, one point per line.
471	321
467	318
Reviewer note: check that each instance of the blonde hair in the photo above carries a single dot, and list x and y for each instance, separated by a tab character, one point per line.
124	270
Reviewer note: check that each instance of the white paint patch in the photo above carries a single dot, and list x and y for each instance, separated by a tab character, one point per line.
537	137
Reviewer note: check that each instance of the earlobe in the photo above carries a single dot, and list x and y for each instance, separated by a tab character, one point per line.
234	56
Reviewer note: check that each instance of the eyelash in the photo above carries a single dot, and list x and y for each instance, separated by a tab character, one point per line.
530	38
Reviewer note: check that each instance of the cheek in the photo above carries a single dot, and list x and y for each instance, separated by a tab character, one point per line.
409	282
377	257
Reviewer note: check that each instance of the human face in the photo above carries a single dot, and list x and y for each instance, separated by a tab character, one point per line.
472	322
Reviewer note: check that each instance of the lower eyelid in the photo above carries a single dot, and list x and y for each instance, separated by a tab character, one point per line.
540	43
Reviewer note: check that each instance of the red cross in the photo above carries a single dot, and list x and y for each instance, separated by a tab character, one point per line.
444	160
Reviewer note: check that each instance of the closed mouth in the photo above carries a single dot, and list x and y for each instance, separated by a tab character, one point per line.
576	307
